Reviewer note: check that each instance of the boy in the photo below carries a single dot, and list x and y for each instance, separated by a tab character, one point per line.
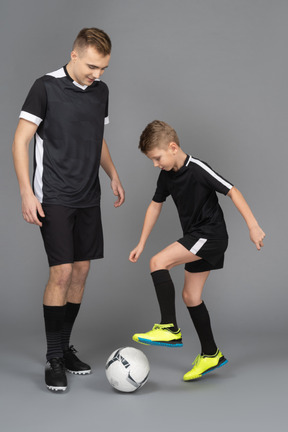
193	186
66	111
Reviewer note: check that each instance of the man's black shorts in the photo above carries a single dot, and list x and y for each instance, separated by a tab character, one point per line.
71	234
211	252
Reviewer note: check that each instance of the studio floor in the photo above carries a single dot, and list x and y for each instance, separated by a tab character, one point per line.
250	393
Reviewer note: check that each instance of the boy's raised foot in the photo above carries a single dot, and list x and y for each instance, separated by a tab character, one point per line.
161	335
204	364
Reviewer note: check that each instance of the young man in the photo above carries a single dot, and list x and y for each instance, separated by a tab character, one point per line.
193	186
66	111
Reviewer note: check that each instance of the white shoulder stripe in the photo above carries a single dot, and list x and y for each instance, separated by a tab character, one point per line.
210	171
106	120
30	117
60	73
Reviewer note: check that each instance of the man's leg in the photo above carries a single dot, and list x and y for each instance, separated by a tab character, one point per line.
74	298
54	306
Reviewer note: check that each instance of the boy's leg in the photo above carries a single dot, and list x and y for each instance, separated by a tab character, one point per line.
210	358
167	333
192	296
160	265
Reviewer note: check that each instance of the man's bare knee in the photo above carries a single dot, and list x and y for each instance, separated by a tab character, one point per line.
61	275
80	271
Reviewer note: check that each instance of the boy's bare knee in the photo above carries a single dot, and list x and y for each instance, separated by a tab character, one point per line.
190	299
157	263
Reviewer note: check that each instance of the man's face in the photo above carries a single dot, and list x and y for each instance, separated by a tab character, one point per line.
163	158
87	65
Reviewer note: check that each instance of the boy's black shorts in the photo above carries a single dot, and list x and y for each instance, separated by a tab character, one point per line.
71	234
210	250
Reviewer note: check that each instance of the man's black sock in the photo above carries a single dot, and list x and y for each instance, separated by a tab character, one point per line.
166	296
54	319
201	320
71	313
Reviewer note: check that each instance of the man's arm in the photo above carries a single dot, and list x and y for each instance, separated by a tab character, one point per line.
20	149
152	214
108	166
257	235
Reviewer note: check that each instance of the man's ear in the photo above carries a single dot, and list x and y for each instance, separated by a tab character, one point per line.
74	56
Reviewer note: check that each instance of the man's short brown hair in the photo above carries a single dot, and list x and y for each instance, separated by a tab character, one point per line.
157	134
93	37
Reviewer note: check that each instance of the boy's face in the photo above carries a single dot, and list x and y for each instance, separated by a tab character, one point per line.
164	158
87	65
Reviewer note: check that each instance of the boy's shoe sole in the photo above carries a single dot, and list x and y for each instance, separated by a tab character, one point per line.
173	344
160	335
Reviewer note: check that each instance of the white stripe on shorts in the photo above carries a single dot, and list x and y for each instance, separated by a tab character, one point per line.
198	245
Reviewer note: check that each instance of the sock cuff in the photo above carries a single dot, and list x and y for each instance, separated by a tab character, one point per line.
72	310
54	311
195	310
161	276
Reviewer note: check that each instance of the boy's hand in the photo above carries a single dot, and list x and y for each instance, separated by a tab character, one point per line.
257	236
135	254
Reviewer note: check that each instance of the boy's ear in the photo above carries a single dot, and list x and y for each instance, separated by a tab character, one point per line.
173	146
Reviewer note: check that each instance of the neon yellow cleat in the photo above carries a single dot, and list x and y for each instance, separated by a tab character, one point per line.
205	364
160	335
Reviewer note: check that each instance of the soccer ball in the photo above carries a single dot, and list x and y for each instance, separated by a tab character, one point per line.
127	369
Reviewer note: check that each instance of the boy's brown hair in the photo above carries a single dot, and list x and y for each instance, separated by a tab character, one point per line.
93	37
157	134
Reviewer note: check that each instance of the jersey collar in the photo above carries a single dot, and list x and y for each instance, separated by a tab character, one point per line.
82	87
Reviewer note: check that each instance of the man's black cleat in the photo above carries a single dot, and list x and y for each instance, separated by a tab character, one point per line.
55	376
73	364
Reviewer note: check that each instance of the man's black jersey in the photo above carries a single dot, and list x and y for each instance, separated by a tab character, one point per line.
193	189
68	142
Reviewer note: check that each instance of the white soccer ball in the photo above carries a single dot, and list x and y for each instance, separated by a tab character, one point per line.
127	369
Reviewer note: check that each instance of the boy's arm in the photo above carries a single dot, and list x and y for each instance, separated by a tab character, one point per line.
30	205
108	166
256	233
152	214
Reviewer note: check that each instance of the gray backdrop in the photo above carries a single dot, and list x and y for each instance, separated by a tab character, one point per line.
216	70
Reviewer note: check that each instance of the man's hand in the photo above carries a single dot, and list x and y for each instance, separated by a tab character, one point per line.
119	192
30	207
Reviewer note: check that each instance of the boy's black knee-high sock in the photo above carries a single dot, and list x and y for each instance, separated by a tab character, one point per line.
54	319
166	296
201	321
71	313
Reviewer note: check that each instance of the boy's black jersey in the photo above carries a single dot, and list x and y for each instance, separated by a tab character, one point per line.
68	142
193	188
